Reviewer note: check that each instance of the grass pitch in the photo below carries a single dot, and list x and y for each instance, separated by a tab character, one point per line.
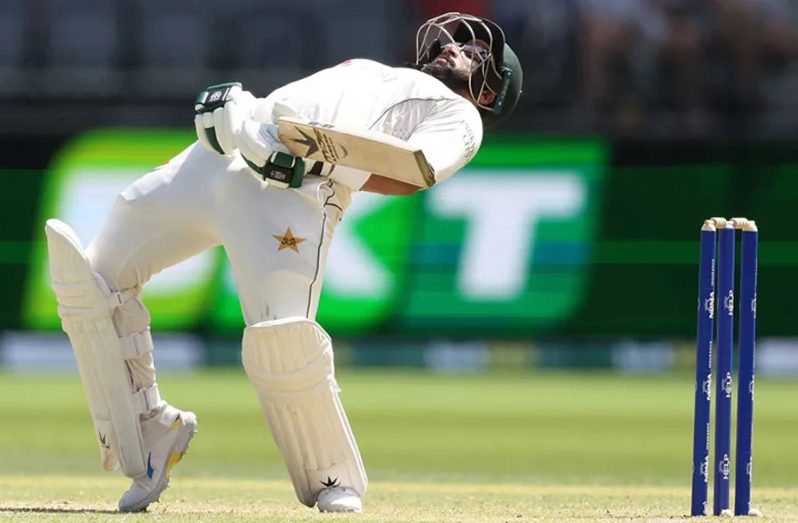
488	447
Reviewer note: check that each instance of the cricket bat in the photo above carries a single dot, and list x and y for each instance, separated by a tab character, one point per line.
371	151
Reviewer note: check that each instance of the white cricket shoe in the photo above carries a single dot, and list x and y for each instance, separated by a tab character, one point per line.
166	438
339	499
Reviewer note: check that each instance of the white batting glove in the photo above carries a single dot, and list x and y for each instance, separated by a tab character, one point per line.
257	142
267	158
220	111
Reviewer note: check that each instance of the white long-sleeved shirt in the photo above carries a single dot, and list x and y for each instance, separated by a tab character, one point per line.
398	101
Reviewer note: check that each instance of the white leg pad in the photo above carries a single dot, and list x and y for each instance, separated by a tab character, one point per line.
85	304
290	363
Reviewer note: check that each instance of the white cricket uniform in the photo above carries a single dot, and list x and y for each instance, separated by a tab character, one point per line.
277	239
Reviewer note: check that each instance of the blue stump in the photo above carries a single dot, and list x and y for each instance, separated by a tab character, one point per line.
723	385
745	395
703	375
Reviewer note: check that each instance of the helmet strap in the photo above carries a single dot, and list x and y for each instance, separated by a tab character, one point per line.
507	75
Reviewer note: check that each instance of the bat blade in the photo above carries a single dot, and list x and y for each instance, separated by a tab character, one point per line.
371	151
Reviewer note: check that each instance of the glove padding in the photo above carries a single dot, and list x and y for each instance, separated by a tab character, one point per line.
220	111
257	141
267	157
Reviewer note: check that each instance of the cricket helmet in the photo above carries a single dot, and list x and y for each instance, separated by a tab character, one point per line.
499	70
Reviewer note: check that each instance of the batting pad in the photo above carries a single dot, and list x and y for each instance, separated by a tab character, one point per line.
290	362
85	304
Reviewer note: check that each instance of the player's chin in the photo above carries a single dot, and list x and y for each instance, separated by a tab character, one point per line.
439	70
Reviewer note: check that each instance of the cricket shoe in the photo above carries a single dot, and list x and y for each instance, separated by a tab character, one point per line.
339	499
166	438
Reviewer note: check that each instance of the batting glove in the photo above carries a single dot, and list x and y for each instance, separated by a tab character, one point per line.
220	111
267	157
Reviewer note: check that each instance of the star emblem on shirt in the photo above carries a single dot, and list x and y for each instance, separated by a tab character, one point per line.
288	241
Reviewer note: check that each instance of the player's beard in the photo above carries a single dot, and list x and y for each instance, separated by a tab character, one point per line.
455	79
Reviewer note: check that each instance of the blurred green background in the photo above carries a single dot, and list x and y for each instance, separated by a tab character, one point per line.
581	241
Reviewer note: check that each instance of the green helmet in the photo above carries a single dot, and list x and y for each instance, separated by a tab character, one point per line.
508	89
499	72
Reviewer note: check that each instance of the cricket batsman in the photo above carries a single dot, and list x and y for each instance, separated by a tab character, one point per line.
275	216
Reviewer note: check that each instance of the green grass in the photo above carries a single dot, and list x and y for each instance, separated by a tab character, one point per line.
497	446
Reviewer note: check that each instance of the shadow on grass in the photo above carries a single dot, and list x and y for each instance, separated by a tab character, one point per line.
51	510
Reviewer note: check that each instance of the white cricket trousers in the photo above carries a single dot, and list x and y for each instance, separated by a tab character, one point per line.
200	199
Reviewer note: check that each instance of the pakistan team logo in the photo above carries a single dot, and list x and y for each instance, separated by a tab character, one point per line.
288	241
